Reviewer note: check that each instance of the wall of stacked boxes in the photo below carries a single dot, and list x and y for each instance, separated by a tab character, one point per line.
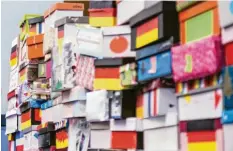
131	75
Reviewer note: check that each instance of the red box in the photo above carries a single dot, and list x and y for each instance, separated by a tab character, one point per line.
229	53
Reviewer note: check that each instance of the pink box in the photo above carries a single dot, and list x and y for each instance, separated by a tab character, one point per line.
197	59
48	69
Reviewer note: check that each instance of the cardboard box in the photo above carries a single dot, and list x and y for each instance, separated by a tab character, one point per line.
28	74
225	11
46	135
102	13
182	5
74	109
122	104
227	120
199	85
19	141
117	41
104	142
128	74
201	135
155	66
35	46
229	53
104	80
24	25
97	110
74	94
199	21
24	92
12	102
126	140
14	56
164	138
31	141
210	108
158	18
36	26
62	135
13	82
128	124
227	87
23	54
52	113
11	121
123	15
191	61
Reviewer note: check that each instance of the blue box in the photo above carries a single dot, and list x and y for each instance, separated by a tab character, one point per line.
228	87
227	117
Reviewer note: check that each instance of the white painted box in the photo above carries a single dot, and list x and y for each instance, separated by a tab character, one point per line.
206	105
227	35
31	141
128	124
11	121
74	94
74	109
100	139
117	41
13	79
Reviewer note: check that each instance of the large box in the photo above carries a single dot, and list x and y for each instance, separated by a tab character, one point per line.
61	128
201	135
104	80
209	105
199	21
102	13
24	26
197	59
227	120
11	121
117	41
227	87
123	15
154	24
35	46
228	48
31	141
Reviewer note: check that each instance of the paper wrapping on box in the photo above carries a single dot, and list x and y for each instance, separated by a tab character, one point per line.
97	110
13	79
23	55
78	134
197	59
31	141
24	92
12	103
211	107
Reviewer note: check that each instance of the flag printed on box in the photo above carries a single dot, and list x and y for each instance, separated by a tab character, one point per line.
15	45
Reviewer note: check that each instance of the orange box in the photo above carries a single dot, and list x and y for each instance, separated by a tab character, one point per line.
35	46
199	21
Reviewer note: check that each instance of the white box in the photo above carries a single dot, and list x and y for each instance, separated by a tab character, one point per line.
126	9
11	121
206	105
117	41
228	133
100	139
225	11
74	109
13	79
162	139
31	141
74	94
129	124
52	114
227	35
12	103
100	125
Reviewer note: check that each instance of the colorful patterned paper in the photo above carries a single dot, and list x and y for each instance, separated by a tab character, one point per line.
128	74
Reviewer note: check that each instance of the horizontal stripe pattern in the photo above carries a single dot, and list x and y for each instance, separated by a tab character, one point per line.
148	26
202	146
107	84
147	38
204	136
25	125
26	116
107	73
102	21
104	12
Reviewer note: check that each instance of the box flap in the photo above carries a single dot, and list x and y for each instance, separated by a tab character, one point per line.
64	6
35	39
113	61
27	17
116	30
227	117
74	20
154	49
36	20
153	11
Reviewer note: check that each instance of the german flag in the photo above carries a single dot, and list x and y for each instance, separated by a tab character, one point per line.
139	107
102	17
30	117
146	33
61	140
22	75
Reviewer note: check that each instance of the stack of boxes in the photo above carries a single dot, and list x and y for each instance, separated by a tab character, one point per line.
140	75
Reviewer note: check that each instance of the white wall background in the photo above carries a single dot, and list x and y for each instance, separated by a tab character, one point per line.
11	14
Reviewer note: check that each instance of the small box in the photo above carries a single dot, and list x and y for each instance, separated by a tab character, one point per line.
31	141
227	87
19	138
30	114
199	21
11	121
126	140
123	15
162	20
117	41
13	82
229	53
74	94
199	85
98	110
36	26
28	74
201	135
14	56
46	135
25	27
35	46
210	108
128	74
225	13
104	142
227	120
128	124
122	104
62	135
102	13
192	61
182	5
42	70
104	80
